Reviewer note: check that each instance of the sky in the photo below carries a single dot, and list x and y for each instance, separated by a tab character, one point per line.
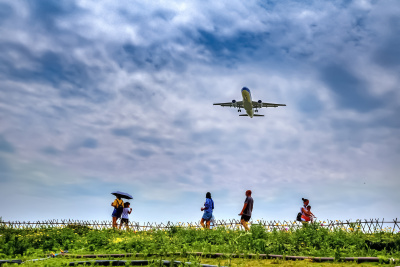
99	96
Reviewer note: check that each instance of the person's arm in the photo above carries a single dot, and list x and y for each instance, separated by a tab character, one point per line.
244	207
130	211
113	204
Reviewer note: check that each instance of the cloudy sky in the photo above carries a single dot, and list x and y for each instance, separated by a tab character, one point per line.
97	96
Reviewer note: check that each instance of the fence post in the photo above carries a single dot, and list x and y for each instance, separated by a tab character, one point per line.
395	224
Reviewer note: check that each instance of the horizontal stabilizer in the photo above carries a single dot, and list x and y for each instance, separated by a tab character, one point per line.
243	115
257	115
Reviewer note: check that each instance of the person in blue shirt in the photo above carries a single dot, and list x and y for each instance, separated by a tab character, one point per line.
208	209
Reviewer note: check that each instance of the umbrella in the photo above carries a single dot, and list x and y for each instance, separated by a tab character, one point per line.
122	195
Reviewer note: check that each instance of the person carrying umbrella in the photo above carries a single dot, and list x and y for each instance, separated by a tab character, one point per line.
118	205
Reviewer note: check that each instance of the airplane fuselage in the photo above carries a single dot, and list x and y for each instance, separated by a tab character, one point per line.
247	102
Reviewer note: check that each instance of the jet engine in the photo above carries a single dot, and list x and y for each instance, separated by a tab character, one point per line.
234	103
259	104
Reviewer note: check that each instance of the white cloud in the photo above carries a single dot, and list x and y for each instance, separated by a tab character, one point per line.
148	113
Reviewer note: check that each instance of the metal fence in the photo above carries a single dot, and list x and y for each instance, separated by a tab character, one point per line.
365	226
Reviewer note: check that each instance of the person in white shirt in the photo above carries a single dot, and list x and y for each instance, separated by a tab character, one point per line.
305	212
125	215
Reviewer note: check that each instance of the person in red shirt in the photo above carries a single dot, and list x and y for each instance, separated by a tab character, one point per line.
305	213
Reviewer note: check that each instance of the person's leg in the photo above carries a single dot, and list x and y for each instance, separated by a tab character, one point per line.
127	226
120	224
202	222
208	224
114	223
244	223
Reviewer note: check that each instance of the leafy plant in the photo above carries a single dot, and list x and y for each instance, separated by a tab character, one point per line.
309	240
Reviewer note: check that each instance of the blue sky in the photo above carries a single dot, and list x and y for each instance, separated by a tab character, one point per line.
103	96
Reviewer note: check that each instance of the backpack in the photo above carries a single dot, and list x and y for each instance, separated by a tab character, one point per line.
298	218
119	207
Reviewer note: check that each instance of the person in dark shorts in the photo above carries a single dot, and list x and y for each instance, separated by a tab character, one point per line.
247	210
125	215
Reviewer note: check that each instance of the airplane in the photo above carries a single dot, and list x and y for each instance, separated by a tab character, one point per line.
249	105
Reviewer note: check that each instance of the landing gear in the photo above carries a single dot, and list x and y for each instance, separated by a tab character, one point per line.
239	110
256	110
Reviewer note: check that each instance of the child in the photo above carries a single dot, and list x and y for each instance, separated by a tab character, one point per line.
312	216
125	215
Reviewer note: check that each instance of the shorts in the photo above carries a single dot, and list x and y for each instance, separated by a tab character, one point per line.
124	221
116	213
246	218
207	216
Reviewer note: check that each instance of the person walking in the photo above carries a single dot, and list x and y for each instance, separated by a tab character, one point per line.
305	212
247	210
118	205
208	209
125	215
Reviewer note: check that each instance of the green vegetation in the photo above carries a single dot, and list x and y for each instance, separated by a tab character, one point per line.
196	261
311	240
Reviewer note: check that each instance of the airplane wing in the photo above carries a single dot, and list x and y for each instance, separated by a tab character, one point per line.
255	115
238	104
266	105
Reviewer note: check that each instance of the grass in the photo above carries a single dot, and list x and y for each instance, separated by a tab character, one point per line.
311	240
219	262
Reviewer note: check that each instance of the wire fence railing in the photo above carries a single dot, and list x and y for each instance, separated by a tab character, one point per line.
365	226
